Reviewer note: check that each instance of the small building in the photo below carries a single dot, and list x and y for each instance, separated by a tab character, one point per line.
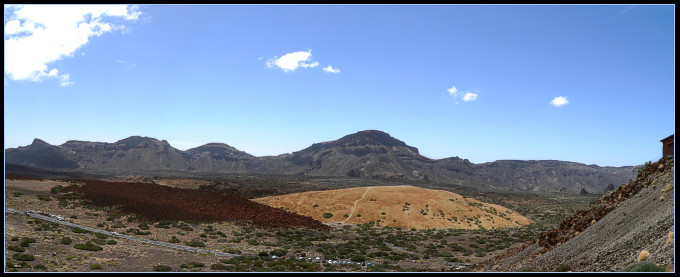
667	147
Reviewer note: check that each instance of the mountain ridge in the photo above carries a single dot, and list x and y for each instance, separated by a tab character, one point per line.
364	154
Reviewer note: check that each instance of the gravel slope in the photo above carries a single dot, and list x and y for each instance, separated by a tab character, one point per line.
637	220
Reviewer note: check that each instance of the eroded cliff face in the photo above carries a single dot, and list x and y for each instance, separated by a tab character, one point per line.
610	233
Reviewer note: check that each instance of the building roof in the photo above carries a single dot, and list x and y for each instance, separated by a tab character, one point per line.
669	137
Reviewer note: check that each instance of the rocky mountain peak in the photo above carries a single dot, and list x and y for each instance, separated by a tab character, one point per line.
371	138
138	142
219	149
39	142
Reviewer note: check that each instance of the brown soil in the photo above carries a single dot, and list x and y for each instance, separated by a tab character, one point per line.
156	202
32	186
183	183
397	206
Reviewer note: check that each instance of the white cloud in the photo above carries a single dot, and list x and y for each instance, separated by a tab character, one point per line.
559	101
330	69
452	91
64	80
469	96
36	36
291	61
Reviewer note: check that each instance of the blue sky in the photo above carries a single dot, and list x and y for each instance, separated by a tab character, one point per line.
585	83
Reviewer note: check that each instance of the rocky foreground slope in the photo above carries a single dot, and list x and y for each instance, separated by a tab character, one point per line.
365	154
610	233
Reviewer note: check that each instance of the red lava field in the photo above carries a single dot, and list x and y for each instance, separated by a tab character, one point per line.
158	203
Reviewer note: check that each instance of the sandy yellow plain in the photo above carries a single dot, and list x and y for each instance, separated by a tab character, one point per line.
398	206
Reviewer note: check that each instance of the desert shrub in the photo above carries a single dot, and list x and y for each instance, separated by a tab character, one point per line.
279	252
66	241
644	254
327	215
78	230
23	257
28	240
192	265
111	242
40	267
143	226
358	258
44	197
643	267
174	239
89	246
218	267
162	225
162	268
99	241
57	189
563	268
101	236
17	194
16	248
96	266
195	243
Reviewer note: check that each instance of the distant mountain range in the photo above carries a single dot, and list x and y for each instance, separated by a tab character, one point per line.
365	154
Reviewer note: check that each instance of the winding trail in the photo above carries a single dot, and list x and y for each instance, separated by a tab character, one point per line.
355	205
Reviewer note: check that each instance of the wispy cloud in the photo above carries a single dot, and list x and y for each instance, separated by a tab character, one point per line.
559	101
627	9
292	61
36	36
330	69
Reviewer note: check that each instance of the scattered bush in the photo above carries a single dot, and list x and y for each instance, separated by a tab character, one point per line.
643	255
66	240
57	189
44	197
218	267
162	268
358	258
563	268
78	230
89	246
327	215
279	252
96	266
23	257
195	243
16	248
643	267
40	267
